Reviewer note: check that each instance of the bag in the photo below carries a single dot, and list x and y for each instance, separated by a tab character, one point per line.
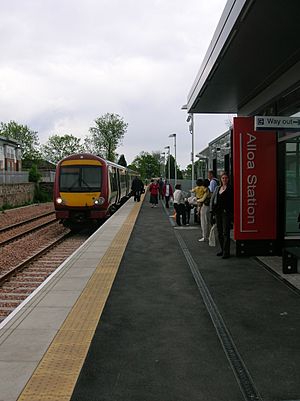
192	200
212	236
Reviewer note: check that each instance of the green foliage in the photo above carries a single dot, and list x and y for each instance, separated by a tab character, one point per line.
199	170
7	206
22	133
148	165
58	147
171	160
122	161
34	174
106	136
40	196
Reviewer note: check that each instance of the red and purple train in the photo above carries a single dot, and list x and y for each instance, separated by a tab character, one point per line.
88	188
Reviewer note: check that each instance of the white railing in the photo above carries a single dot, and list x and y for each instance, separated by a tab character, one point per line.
48	176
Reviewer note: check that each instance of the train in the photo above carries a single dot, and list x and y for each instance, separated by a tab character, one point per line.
89	189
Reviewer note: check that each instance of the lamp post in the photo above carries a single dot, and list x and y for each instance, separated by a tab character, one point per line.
175	164
163	154
169	168
190	120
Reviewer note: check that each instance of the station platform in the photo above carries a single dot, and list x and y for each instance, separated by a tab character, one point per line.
144	312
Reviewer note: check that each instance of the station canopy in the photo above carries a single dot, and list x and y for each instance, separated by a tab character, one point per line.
255	47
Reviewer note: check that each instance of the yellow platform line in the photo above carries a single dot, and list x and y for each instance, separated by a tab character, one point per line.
55	377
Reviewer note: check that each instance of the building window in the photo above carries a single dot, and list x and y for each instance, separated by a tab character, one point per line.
292	187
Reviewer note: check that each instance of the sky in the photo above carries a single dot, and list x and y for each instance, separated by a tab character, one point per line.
67	62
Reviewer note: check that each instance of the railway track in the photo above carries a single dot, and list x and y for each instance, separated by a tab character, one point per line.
19	281
26	221
18	230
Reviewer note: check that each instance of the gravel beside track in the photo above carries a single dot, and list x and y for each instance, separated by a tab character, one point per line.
16	252
11	216
12	233
19	287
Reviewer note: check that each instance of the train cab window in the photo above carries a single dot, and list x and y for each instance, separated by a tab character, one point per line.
80	179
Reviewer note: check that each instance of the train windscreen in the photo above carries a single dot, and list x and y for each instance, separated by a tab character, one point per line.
80	179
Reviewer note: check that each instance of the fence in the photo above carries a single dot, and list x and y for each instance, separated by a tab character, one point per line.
186	185
13	177
48	176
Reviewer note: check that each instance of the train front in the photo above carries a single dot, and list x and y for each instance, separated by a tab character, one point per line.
80	190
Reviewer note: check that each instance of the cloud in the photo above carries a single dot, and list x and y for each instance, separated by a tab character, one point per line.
64	63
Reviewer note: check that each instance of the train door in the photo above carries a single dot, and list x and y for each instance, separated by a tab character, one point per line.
114	186
122	181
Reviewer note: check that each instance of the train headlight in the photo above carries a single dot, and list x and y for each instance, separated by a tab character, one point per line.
59	201
99	201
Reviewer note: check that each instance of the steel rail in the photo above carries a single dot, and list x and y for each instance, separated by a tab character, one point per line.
27	232
21	266
20	223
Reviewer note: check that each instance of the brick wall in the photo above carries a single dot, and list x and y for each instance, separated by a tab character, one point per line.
16	194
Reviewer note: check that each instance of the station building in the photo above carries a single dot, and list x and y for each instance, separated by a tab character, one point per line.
10	155
252	69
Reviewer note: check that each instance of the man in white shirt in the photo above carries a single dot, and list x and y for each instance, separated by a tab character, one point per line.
213	182
179	205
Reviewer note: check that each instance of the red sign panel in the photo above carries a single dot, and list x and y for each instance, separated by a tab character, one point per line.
255	183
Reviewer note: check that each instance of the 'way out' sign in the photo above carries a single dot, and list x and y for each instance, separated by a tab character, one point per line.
276	123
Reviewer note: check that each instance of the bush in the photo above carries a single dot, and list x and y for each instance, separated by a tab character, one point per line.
34	174
41	196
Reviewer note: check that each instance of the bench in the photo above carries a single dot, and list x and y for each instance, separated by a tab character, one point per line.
290	258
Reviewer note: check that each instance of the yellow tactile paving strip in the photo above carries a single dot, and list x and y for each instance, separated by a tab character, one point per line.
56	375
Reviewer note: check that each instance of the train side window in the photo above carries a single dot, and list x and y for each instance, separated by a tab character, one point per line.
123	179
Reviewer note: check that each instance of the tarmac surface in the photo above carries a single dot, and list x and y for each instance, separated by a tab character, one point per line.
181	324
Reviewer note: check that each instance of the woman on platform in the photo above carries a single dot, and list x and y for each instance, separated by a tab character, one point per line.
205	212
154	191
222	209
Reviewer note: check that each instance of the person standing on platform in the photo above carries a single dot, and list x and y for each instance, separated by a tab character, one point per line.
205	212
161	185
198	190
213	182
167	192
179	205
137	188
222	209
154	190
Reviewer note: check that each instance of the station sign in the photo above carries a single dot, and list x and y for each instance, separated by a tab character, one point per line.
255	182
276	123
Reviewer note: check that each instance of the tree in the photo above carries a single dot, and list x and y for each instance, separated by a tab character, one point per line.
171	160
57	147
107	135
23	134
122	161
148	165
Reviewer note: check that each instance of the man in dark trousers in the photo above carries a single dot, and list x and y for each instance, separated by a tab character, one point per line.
137	187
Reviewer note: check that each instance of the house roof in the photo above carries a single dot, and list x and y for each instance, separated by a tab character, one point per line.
10	141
